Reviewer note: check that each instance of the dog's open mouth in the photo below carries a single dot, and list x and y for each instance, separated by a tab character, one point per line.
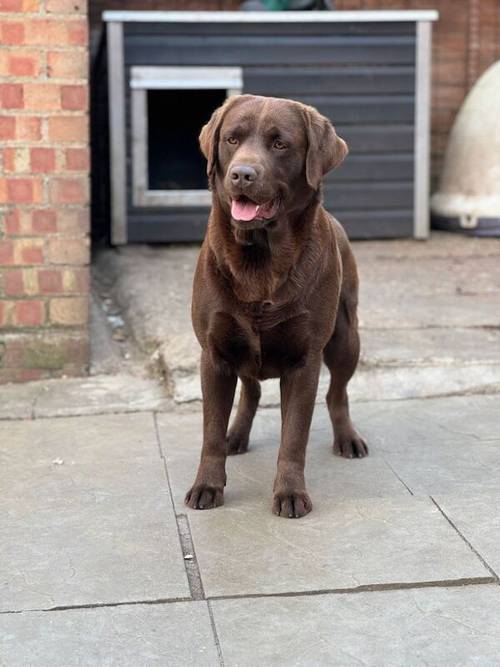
244	209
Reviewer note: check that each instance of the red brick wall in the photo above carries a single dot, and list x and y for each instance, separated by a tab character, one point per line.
44	189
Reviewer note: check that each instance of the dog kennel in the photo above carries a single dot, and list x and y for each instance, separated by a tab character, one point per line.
163	73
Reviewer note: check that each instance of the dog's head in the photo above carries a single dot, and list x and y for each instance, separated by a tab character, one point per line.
267	156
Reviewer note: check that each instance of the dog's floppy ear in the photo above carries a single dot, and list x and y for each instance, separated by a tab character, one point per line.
325	149
209	136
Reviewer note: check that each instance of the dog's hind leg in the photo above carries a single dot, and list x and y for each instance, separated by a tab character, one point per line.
341	355
239	433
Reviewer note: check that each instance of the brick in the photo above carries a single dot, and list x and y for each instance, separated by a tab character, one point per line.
43	159
42	96
50	281
20	190
7	128
69	191
11	96
32	255
6	252
71	221
77	159
78	33
76	280
11	33
69	311
68	129
16	160
65	6
3	317
12	222
74	98
28	128
11	5
24	65
28	251
68	251
67	64
45	351
9	159
29	313
13	284
44	221
19	6
51	32
30	282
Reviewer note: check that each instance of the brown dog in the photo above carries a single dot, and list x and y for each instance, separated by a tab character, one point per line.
275	290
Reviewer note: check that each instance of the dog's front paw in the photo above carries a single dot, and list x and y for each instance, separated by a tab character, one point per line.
291	504
204	497
350	445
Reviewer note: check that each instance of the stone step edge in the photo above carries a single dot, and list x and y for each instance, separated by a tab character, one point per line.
373	383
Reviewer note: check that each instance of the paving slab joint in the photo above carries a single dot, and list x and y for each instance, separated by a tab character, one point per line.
184	531
190	560
471	547
215	634
364	588
398	477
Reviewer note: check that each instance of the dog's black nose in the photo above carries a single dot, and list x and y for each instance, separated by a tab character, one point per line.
243	175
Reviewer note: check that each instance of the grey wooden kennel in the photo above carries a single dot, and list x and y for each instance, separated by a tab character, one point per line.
369	72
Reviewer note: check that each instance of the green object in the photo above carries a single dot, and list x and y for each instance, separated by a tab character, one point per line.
276	5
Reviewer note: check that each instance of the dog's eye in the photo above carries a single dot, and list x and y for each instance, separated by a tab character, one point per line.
279	145
232	140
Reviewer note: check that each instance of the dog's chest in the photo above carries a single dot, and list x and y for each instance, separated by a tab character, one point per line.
262	343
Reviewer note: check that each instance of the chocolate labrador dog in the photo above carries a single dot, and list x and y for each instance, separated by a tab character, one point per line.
275	290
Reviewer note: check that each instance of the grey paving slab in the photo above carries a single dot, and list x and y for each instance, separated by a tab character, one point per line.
17	400
445	445
250	477
421	292
86	515
177	634
79	439
100	394
477	517
365	528
408	628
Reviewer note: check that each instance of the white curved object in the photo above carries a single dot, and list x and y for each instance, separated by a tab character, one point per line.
470	182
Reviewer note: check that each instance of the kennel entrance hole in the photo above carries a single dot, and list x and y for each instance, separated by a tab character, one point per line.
175	119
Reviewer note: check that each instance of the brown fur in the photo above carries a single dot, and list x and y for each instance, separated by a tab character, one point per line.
272	298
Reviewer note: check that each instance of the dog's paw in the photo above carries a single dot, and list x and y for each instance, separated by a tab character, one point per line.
203	497
350	446
291	504
236	443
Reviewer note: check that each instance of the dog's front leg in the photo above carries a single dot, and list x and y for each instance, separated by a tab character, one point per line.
298	393
218	389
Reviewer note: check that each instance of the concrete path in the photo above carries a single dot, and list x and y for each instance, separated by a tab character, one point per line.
102	564
429	314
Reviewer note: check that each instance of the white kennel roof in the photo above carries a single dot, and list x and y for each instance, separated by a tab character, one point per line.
270	17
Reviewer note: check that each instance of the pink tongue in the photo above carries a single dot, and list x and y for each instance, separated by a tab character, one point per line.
243	210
